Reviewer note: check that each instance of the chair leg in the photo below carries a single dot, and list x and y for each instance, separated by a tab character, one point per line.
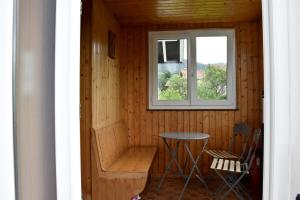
220	189
245	191
223	185
240	187
231	185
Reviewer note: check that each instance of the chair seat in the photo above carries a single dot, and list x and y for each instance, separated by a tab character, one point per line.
134	160
227	165
221	154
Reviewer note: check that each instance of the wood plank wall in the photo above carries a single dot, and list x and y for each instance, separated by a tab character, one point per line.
105	71
145	126
85	98
100	80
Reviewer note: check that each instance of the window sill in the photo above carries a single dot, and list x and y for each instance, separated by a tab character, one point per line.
188	108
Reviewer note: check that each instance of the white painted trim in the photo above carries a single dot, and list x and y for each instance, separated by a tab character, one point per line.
67	121
267	100
192	103
294	60
276	184
7	180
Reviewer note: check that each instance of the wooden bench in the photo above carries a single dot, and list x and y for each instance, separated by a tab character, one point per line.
119	172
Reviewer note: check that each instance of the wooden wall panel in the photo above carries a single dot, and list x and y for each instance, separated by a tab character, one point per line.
105	70
145	126
100	80
85	98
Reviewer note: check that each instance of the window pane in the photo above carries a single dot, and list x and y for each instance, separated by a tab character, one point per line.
172	69
211	67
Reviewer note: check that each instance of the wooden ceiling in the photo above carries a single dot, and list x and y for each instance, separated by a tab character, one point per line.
184	11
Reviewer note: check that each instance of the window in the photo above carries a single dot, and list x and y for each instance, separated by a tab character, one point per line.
192	69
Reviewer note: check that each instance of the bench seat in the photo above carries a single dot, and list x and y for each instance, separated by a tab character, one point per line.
135	159
119	171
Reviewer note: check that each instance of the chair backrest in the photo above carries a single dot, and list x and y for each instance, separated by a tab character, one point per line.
242	130
111	142
252	150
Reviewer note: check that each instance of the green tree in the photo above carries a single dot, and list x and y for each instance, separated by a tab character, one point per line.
213	84
170	94
163	78
176	88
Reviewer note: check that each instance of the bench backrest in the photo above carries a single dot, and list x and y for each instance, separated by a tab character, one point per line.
111	142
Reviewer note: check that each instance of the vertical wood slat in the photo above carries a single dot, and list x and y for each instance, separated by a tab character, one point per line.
180	127
167	119
193	122
85	99
237	115
123	79
199	127
217	123
174	122
161	151
130	95
186	127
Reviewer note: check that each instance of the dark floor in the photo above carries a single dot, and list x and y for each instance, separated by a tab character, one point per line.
172	188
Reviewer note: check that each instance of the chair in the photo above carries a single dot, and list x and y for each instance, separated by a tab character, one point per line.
232	171
239	129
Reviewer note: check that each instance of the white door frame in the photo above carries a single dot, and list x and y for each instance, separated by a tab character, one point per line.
277	104
67	99
7	181
276	87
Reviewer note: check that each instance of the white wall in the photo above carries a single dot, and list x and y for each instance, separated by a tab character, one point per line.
294	63
35	136
7	182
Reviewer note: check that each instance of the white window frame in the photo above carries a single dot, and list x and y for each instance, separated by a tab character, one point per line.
192	102
167	35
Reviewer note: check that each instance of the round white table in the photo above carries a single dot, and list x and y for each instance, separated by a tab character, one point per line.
184	137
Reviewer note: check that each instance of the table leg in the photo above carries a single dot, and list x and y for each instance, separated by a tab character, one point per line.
194	166
199	175
173	154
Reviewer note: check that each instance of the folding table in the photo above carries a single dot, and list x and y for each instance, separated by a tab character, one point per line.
184	137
